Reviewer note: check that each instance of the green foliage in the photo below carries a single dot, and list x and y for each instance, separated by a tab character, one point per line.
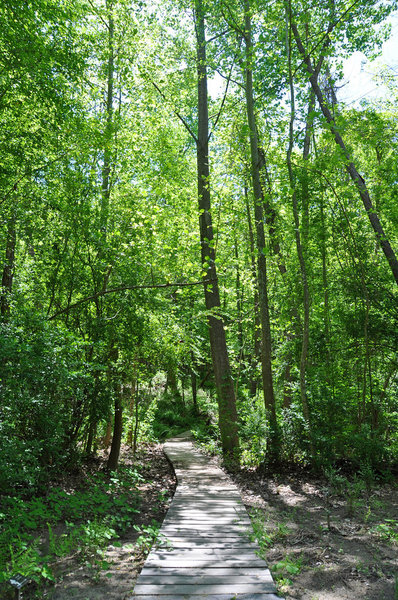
263	533
387	530
253	431
43	383
148	535
285	569
98	208
102	511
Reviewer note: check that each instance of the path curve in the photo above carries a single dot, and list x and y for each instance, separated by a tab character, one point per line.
204	551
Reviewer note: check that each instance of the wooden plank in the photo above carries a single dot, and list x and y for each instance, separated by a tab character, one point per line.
207	542
195	563
226	511
202	528
223	588
199	596
227	572
204	552
207	579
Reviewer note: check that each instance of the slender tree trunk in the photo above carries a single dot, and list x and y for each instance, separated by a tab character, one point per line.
131	413
256	321
349	164
171	382
8	268
299	246
268	389
222	372
194	386
238	297
137	415
269	211
287	386
108	434
113	458
107	165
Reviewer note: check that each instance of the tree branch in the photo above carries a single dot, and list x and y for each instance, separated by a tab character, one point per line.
123	288
183	121
223	100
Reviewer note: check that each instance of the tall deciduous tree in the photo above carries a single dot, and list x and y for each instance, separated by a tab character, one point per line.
266	351
219	351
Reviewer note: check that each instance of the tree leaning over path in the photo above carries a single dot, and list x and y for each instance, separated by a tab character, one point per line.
313	71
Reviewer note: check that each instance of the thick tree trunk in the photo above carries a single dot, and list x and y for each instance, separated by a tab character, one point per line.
222	372
350	166
266	366
8	268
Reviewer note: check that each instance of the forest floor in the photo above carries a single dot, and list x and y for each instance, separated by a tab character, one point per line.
126	556
321	541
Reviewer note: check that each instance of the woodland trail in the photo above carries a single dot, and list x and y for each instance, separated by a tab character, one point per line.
204	550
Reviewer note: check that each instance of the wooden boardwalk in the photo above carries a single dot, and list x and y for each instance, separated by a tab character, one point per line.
204	551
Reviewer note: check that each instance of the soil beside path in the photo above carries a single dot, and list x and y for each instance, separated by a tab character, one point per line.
323	543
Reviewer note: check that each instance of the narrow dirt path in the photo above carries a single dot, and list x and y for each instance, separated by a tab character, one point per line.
204	550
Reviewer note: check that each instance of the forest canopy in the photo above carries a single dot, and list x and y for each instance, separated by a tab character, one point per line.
173	258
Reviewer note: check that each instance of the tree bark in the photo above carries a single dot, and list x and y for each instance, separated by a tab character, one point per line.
269	211
299	246
113	458
256	321
222	372
8	268
266	366
107	165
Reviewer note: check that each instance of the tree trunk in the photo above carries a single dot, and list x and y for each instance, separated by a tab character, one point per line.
113	459
137	414
266	367
108	434
131	413
299	246
194	392
8	268
92	430
107	165
269	211
256	321
222	372
349	165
